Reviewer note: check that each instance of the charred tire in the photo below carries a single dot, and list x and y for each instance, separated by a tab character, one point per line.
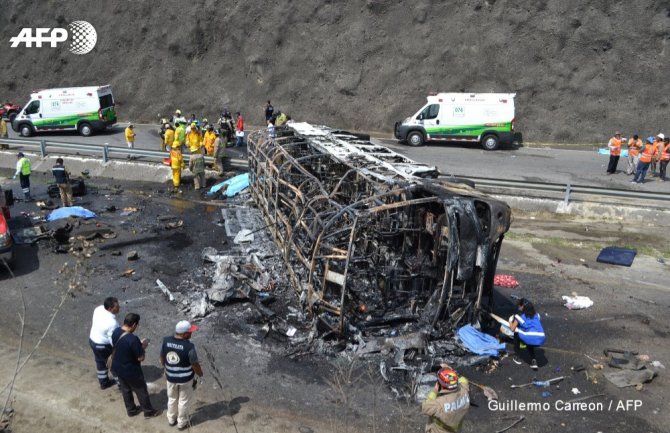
490	142
415	139
11	116
26	130
85	129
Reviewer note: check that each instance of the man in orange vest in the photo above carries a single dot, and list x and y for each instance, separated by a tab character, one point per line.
658	142
665	157
634	146
615	150
648	155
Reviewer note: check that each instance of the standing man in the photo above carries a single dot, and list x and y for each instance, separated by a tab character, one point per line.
130	136
646	157
614	146
219	153
239	130
208	140
3	132
180	360
196	164
269	111
176	163
100	338
63	181
180	135
658	143
168	138
665	158
126	364
448	403
193	138
634	146
23	170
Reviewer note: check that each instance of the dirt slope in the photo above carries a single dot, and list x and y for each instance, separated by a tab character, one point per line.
580	68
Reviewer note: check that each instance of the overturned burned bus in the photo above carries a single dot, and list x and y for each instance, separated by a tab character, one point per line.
370	238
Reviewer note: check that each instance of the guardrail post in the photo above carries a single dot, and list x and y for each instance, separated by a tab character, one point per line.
43	148
567	194
105	153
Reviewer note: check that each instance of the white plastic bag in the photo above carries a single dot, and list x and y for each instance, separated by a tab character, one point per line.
577	302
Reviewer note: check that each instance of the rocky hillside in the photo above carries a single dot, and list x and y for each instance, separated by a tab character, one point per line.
580	68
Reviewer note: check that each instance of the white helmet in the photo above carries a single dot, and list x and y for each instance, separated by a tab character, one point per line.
177	112
661	136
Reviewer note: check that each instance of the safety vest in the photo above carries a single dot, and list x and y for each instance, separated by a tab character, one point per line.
615	146
634	147
648	153
180	133
25	166
178	367
530	329
665	155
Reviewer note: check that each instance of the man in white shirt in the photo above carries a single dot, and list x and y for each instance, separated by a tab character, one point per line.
100	338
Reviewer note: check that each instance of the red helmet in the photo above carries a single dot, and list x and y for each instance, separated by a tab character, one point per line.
448	379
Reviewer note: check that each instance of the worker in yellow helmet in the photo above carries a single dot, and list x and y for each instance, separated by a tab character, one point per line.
177	163
208	140
194	138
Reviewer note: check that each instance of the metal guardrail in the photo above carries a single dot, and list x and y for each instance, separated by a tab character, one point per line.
105	151
567	189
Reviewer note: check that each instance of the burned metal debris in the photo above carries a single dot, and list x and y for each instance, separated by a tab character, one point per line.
370	238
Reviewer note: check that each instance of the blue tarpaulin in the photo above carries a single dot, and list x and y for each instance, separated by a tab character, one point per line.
478	342
72	211
617	256
606	151
235	186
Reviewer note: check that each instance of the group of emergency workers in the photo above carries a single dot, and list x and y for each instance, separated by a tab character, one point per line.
655	153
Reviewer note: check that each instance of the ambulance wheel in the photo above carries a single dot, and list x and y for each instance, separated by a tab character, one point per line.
490	142
25	130
415	139
85	129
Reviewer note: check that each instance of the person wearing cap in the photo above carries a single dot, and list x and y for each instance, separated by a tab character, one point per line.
168	138
127	357
130	136
448	403
219	152
614	146
180	361
208	140
239	129
196	164
62	178
647	155
634	146
658	143
193	138
664	158
23	170
176	164
103	326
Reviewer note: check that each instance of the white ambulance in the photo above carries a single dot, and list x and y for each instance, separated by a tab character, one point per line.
486	118
81	109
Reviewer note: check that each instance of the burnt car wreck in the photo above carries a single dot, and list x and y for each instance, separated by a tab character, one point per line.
373	240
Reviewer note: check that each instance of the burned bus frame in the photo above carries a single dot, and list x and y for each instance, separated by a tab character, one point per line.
370	238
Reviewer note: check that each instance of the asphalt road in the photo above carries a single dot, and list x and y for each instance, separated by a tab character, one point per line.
534	164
